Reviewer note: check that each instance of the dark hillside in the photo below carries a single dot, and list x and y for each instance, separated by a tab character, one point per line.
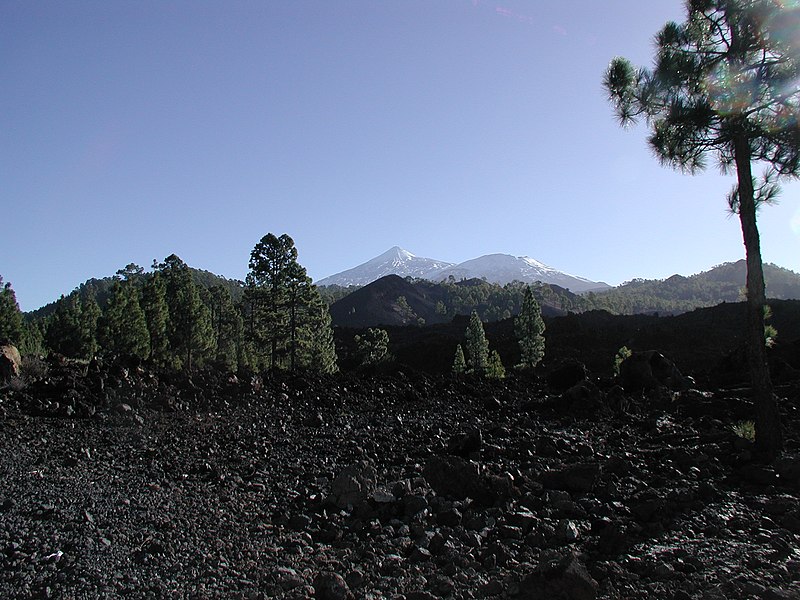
394	301
707	339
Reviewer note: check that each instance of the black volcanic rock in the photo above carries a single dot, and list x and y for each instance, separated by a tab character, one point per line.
225	487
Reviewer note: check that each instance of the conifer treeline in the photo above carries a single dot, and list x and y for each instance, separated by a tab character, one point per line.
166	318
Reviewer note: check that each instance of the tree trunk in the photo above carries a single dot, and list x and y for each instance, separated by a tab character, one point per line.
769	437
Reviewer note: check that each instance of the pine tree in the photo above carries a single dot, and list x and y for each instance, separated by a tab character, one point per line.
372	347
90	316
63	333
529	329
318	348
33	343
494	366
227	325
477	346
266	293
156	314
123	326
284	313
190	332
11	323
725	85
459	362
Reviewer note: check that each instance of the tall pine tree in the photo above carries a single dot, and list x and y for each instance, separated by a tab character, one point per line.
529	329
476	345
156	314
11	326
190	332
123	329
287	322
725	86
227	325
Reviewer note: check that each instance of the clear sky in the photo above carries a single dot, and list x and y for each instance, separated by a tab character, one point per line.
133	129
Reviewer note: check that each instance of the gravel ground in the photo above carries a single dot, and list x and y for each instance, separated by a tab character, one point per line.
388	487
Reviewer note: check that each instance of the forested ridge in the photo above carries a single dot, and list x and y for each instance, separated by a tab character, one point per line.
104	314
178	317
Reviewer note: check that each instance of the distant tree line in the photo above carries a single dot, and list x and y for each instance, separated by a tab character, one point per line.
277	320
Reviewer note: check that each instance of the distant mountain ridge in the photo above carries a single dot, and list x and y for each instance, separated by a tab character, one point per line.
494	268
395	261
677	294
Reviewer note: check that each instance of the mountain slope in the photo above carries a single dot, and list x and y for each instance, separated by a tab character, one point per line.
394	261
393	300
504	268
676	294
494	268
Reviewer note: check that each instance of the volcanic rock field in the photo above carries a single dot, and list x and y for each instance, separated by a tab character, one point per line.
126	482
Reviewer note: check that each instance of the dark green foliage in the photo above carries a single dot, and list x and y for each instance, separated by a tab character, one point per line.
156	314
725	85
123	327
677	294
190	333
11	328
529	330
227	325
317	344
459	362
90	319
477	345
207	280
266	291
33	343
332	293
494	366
283	309
373	346
71	333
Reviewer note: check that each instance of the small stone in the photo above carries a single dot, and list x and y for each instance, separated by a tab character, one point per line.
567	532
383	496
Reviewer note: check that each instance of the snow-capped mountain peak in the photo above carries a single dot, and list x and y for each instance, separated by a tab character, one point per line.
504	268
495	268
395	261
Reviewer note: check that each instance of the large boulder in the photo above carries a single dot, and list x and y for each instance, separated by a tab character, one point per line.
10	363
458	478
353	485
649	370
565	374
566	579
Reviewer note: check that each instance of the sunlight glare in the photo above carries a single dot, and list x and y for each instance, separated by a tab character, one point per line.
794	223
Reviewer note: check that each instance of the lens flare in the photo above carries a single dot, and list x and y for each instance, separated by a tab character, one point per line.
735	88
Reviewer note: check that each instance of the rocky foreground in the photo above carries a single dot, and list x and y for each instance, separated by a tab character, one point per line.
143	485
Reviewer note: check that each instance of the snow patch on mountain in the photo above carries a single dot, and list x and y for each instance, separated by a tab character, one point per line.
395	261
495	268
504	268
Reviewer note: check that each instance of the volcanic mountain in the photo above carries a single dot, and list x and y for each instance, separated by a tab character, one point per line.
394	261
504	268
494	268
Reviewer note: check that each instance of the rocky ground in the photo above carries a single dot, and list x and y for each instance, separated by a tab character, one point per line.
142	485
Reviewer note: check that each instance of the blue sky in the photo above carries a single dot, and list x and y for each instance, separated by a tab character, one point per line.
130	130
